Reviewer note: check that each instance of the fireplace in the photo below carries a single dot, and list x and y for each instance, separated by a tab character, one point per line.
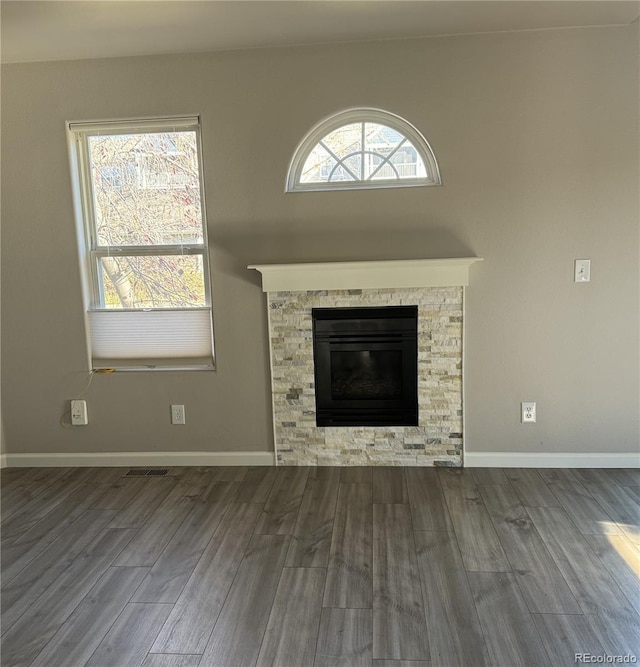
298	293
366	366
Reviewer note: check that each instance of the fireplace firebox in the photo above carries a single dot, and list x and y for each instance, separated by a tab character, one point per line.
366	366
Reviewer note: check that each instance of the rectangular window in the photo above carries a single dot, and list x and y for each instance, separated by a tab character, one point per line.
140	199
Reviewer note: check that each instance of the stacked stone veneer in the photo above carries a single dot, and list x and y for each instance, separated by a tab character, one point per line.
437	440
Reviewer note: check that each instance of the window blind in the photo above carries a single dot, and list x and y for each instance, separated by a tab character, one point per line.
142	125
160	338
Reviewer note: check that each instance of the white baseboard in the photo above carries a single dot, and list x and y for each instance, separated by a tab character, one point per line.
542	460
158	459
139	459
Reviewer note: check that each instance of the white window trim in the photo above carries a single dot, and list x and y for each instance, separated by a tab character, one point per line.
359	115
90	252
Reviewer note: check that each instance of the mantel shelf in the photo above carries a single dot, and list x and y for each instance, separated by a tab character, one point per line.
365	275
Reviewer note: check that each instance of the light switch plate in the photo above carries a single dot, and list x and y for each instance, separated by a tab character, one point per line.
582	271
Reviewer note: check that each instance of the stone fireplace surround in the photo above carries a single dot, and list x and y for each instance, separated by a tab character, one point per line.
436	288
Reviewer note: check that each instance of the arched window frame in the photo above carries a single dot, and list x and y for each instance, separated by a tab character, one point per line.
362	115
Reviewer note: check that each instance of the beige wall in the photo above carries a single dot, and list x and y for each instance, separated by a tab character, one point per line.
536	134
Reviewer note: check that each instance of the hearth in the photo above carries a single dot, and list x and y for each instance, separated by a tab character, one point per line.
366	366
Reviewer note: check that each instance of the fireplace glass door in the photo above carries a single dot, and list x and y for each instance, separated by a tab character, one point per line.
366	368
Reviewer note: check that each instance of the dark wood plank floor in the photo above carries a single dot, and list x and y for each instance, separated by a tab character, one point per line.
319	567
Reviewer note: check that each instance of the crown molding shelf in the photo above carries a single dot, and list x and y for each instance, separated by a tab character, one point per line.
366	275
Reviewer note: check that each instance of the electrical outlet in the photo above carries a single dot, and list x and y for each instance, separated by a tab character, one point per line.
79	415
528	412
177	414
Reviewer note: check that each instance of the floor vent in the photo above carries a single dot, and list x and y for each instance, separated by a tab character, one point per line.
153	472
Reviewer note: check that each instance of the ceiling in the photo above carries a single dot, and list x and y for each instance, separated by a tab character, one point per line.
63	30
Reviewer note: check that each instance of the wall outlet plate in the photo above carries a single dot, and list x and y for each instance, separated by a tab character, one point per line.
177	414
528	412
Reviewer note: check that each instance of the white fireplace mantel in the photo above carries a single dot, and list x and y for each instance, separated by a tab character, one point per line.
366	275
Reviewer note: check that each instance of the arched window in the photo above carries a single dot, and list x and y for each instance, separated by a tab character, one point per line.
362	149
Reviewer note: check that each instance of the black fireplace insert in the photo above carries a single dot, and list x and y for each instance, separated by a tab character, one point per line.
366	366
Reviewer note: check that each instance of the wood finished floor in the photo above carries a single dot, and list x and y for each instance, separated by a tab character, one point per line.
319	567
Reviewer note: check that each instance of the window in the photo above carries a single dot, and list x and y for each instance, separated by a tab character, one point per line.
139	199
362	149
